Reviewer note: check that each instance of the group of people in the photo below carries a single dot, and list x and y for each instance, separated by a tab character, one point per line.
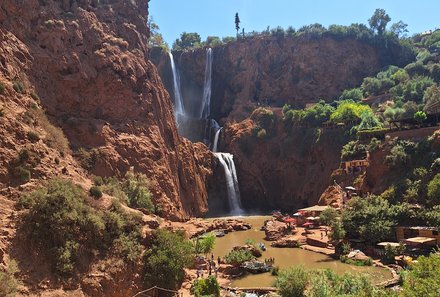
211	267
269	260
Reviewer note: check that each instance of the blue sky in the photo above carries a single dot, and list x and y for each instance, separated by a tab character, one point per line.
216	17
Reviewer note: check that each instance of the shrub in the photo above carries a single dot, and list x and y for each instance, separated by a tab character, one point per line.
422	278
205	244
2	89
135	185
8	283
62	222
33	136
292	282
22	173
328	216
206	287
264	117
169	254
434	190
96	192
238	257
18	87
352	94
87	158
261	134
349	112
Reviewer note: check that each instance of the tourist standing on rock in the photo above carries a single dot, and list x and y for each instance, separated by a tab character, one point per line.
218	260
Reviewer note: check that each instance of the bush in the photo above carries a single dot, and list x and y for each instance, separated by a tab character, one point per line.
238	257
18	87
261	134
292	282
328	216
8	282
205	244
2	89
434	190
87	158
422	278
169	254
96	192
264	117
206	287
135	185
33	136
22	173
63	227
349	112
62	222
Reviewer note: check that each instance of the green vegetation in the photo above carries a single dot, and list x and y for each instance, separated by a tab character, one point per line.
310	117
63	226
205	244
23	173
156	38
378	22
8	282
187	41
165	260
434	190
349	112
87	158
328	216
132	190
206	287
95	192
18	87
372	219
422	278
293	281
33	136
2	88
238	257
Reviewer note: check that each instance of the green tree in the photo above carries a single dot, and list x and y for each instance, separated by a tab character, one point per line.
156	38
213	41
434	190
205	244
169	254
204	287
369	121
328	216
292	282
399	29
237	22
423	278
349	112
238	257
8	282
352	94
420	117
379	20
187	41
337	232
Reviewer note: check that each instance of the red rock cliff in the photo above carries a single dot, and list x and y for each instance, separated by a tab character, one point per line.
88	62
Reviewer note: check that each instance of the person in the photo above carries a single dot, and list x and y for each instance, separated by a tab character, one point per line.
198	273
212	257
216	271
322	235
218	260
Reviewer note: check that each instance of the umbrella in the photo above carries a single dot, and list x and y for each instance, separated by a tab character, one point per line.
310	218
350	188
289	220
308	224
297	214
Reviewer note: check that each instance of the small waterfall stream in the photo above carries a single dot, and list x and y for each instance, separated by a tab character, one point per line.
215	145
227	162
179	109
206	100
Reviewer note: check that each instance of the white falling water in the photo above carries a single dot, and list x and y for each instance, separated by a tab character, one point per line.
206	100
179	109
227	162
215	145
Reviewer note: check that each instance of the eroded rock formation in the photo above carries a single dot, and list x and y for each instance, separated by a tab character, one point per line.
88	62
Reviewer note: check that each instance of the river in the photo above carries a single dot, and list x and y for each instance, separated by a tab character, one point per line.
286	257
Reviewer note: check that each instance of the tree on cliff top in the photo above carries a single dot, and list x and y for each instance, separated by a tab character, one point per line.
379	20
187	40
237	22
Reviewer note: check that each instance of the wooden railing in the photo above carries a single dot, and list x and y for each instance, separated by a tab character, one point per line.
158	292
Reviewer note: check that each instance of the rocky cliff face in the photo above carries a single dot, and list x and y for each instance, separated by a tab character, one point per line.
275	71
88	63
285	169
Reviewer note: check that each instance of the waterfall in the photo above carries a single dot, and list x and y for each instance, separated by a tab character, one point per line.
179	109
217	134
206	100
227	162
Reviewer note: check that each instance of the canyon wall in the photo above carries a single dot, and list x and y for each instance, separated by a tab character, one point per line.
277	70
87	61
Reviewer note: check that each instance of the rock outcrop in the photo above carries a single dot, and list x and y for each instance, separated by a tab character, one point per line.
88	62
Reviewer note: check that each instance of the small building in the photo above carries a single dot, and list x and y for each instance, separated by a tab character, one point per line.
310	215
418	236
355	165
